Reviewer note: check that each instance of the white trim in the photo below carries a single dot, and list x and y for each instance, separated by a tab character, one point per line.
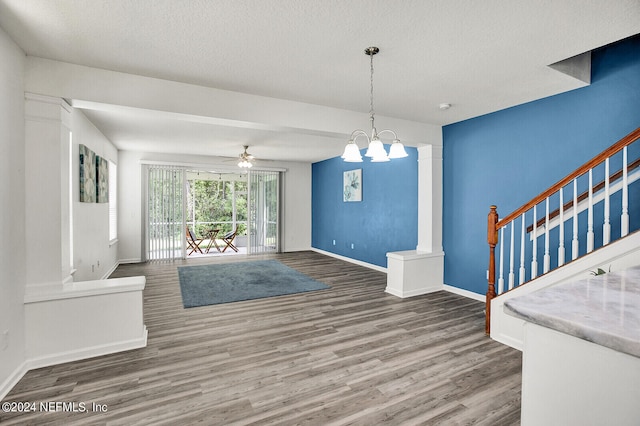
508	340
465	293
132	260
91	352
207	166
411	293
413	255
13	379
348	259
110	271
87	288
113	242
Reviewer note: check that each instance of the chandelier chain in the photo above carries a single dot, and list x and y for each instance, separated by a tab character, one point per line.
371	112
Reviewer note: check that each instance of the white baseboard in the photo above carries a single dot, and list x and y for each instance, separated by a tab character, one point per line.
110	271
60	358
508	340
91	352
13	379
348	259
132	260
411	293
465	293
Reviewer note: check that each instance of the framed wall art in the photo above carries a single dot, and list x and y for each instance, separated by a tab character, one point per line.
352	185
87	175
102	180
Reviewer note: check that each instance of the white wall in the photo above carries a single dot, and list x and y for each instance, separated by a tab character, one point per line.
12	211
93	257
296	200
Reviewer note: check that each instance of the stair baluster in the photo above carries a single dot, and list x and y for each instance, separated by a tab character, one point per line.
606	226
624	219
561	237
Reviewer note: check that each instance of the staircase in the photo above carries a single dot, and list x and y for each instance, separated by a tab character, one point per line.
595	220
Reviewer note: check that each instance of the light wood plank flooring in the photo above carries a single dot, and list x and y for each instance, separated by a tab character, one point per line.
349	355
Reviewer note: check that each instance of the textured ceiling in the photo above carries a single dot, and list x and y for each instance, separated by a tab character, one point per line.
480	56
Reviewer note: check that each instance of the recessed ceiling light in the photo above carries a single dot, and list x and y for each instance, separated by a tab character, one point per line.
444	106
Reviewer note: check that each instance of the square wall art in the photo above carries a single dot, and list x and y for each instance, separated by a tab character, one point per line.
352	185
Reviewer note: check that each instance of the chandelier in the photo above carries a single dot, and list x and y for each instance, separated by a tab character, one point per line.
375	147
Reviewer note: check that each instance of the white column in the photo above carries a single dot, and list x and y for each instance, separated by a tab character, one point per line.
429	199
420	271
47	130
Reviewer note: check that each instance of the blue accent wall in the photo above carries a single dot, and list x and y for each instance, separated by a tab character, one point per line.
385	220
510	156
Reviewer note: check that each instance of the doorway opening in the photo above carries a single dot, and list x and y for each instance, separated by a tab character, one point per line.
191	212
216	206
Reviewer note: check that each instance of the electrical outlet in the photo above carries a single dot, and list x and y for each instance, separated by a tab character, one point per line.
4	340
98	263
93	268
352	246
334	242
487	275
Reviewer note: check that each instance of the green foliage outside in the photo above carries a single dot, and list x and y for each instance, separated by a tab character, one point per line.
211	204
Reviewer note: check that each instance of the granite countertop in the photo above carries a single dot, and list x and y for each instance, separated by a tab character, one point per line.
603	309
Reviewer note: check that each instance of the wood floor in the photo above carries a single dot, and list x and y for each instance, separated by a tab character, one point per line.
349	355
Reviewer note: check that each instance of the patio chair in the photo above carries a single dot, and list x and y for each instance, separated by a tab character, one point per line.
193	242
228	240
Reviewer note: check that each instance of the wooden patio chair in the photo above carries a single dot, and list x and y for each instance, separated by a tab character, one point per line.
228	240
193	242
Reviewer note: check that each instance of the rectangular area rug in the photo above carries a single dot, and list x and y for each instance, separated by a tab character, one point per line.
214	284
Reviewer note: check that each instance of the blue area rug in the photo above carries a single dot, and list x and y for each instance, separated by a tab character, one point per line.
203	285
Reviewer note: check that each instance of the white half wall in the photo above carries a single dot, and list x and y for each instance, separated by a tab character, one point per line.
12	213
84	320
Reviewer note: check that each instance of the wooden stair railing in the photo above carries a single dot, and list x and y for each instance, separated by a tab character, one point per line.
496	225
583	196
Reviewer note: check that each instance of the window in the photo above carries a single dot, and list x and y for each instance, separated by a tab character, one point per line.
113	202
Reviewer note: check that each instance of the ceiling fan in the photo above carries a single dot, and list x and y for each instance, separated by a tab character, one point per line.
245	160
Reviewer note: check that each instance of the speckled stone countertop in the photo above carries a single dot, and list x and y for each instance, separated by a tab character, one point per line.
602	309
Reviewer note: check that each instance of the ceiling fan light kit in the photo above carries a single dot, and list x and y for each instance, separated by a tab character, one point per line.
245	159
375	149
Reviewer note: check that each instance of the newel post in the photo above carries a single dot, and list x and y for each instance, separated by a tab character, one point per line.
492	239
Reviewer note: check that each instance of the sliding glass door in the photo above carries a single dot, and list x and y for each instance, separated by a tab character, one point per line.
264	211
177	198
165	213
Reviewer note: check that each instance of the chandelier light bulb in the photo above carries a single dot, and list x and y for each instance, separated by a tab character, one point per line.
352	153
397	150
